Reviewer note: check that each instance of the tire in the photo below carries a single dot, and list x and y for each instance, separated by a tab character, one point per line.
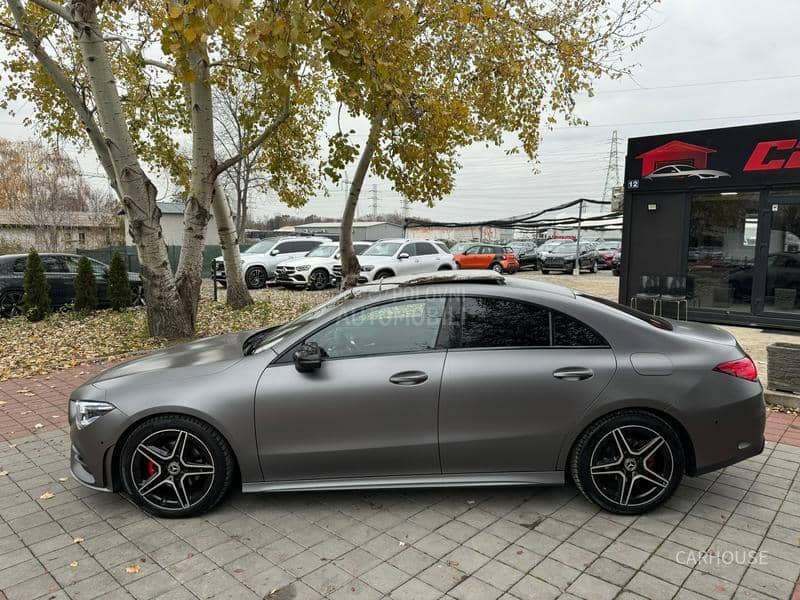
11	303
496	267
319	279
545	271
383	275
631	474
255	278
157	475
594	267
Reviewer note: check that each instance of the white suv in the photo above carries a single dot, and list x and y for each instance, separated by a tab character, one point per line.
315	269
259	261
387	258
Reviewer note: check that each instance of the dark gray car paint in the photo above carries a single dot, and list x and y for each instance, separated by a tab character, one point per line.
240	396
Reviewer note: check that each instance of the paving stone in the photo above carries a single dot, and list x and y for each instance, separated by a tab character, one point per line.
555	573
471	588
531	588
327	579
651	587
466	559
499	575
385	577
520	558
626	555
356	589
710	586
669	570
592	588
611	571
442	576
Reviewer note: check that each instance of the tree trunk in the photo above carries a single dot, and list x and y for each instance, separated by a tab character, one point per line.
197	212
166	315
237	295
350	265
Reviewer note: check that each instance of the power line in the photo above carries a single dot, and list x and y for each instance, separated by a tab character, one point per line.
574	127
696	84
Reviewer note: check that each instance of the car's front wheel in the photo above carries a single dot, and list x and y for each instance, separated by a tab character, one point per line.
176	466
256	277
628	462
11	303
319	279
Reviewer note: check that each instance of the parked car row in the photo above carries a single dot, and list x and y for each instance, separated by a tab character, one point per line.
60	271
314	262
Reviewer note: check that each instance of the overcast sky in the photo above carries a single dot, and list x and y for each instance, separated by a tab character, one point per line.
704	64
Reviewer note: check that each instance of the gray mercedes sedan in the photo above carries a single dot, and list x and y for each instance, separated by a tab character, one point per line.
447	379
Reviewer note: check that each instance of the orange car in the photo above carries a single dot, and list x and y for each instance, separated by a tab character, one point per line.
488	256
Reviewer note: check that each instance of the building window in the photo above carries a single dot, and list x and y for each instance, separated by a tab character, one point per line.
81	237
721	253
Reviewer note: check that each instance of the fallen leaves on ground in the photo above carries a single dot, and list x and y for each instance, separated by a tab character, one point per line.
73	564
47	496
78	540
133	569
66	339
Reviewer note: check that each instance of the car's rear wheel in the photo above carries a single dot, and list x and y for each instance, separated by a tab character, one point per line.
545	272
11	303
628	462
319	279
256	277
176	466
497	267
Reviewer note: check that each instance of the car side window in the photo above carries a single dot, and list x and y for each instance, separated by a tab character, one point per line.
488	250
53	264
306	246
398	327
409	249
568	331
424	248
498	323
19	265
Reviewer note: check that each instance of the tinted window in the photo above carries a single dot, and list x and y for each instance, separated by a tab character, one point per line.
360	249
658	322
299	246
409	249
99	269
53	264
423	248
397	327
19	265
571	332
497	322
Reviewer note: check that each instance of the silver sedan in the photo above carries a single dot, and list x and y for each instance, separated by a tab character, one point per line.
447	379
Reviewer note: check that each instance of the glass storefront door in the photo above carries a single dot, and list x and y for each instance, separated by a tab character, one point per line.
721	251
782	286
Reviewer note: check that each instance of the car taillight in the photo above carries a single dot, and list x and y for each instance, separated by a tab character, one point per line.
744	368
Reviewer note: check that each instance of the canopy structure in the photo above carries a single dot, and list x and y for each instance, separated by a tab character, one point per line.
549	218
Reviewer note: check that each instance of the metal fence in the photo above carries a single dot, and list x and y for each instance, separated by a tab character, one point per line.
131	257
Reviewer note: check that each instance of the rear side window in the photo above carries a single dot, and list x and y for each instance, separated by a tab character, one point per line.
19	265
503	323
657	322
424	248
498	323
571	332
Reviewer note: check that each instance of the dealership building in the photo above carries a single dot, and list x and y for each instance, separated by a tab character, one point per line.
712	225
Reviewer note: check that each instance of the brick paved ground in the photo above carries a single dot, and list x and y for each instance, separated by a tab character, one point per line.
525	543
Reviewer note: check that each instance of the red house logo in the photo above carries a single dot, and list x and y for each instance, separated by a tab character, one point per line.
675	153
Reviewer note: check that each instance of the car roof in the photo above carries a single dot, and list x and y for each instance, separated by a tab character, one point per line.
472	278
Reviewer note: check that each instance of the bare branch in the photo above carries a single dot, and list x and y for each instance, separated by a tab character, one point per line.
258	141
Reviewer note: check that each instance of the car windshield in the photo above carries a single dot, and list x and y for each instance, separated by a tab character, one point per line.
382	249
324	251
267	338
460	247
262	247
566	248
684	167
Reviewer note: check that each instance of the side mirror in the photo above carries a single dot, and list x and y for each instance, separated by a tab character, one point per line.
308	357
402	255
275	252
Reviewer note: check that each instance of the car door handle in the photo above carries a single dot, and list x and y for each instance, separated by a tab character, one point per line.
573	373
409	378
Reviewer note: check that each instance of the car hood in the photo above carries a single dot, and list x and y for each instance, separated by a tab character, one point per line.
306	260
214	354
376	260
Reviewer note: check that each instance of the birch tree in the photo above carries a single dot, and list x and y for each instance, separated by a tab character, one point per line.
134	77
432	77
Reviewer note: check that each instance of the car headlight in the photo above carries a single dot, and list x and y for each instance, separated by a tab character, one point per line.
86	412
367	267
303	268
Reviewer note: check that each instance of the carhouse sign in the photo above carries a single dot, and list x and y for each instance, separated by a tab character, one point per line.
751	155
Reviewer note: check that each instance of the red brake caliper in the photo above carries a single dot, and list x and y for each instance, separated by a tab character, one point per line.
151	468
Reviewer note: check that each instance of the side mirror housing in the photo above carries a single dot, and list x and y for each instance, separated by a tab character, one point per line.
308	357
402	255
275	252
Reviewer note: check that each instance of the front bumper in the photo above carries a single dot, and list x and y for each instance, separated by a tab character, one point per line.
92	450
290	277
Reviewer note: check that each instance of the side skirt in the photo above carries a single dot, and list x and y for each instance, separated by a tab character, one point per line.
413	481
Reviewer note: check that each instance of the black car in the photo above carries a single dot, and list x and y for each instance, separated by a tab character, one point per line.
562	258
526	254
60	271
615	262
